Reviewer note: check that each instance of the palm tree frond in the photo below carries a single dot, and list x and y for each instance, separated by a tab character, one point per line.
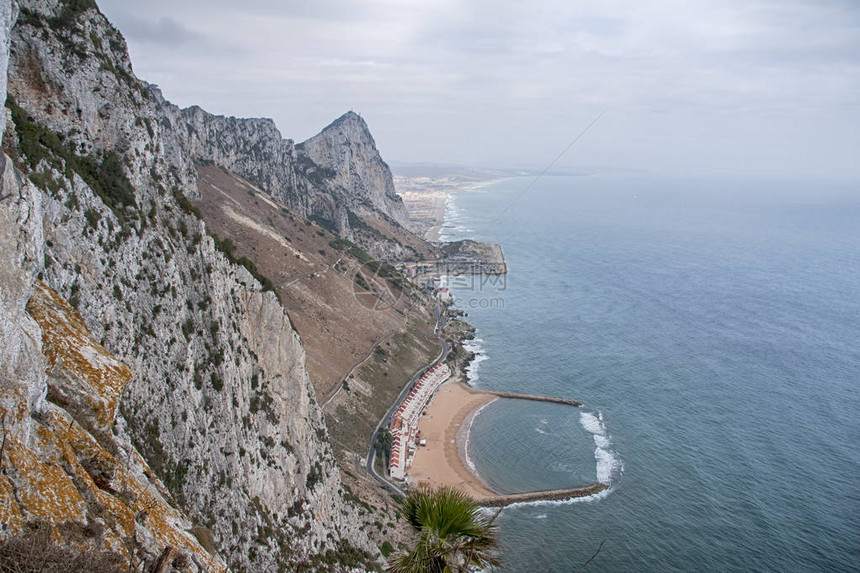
453	533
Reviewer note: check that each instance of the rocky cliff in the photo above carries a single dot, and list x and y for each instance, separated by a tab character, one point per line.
350	166
207	371
335	176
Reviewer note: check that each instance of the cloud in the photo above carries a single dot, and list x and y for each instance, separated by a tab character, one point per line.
498	81
164	31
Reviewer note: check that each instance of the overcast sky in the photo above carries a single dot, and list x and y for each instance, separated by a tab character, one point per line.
723	86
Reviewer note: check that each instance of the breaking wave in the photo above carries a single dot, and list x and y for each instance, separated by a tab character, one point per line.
609	465
476	347
454	226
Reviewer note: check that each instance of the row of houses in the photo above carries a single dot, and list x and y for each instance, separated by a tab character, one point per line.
404	423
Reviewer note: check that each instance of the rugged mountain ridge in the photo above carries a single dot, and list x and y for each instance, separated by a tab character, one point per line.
218	402
334	176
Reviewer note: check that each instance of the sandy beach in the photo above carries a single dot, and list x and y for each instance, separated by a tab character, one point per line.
425	197
440	461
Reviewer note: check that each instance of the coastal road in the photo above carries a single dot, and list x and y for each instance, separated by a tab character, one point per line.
371	456
441	321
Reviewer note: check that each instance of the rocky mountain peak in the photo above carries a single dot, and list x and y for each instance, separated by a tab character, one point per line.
346	149
349	126
349	117
336	172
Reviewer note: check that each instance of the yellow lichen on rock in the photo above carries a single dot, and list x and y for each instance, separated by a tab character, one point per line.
11	519
62	464
45	490
88	369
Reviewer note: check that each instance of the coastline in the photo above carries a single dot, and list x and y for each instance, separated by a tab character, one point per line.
427	199
446	419
446	422
443	461
434	233
445	427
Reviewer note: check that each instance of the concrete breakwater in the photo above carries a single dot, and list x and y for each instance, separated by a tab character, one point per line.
549	495
546	495
443	461
515	396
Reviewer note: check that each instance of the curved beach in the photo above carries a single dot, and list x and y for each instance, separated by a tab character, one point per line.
440	462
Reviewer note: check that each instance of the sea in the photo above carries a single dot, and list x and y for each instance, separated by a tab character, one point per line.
711	328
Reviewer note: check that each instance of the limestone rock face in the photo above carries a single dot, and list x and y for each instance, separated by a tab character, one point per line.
179	377
21	254
345	150
253	148
77	474
337	171
63	465
8	14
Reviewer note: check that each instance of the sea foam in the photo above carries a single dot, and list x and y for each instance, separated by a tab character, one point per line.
454	226
571	501
476	347
609	465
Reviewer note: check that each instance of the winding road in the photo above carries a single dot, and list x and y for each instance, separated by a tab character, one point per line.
371	455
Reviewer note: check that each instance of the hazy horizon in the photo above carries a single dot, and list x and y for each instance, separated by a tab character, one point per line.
759	87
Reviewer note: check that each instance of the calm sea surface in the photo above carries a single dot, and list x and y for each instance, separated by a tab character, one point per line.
712	329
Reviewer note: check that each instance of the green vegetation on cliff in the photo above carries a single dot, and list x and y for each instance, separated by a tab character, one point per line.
103	173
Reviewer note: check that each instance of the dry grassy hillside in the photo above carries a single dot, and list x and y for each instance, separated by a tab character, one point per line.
384	333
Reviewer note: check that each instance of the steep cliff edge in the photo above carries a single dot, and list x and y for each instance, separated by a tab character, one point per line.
64	465
218	402
366	330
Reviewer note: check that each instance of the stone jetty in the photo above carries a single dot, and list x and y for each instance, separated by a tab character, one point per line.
515	396
549	495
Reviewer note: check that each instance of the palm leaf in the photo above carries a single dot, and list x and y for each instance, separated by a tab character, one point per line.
453	533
